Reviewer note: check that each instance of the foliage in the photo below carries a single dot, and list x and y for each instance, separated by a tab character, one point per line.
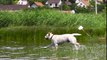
43	1
31	2
100	6
83	10
73	6
15	1
90	8
65	7
6	2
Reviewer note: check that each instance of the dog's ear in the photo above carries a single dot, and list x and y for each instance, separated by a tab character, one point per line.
49	32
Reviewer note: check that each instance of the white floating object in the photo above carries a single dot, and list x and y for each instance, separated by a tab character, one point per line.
80	28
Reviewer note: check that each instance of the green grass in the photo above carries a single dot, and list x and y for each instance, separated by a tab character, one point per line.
54	18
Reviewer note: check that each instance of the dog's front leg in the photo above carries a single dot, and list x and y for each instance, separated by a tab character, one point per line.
50	45
56	46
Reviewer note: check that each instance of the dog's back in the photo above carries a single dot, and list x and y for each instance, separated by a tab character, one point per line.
74	34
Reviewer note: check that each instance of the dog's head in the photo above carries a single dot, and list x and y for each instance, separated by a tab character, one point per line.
49	35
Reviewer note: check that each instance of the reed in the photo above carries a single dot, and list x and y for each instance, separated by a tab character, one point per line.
53	18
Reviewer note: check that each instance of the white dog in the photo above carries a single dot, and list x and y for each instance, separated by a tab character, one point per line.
56	39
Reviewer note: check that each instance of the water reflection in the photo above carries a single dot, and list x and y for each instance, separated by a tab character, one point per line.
5	59
11	48
64	52
28	53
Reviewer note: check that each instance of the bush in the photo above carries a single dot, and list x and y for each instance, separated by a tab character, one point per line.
73	6
82	10
65	7
101	7
6	2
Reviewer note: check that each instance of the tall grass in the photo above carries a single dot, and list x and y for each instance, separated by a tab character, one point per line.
32	25
51	18
31	35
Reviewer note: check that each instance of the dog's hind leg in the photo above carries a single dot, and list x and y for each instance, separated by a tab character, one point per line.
78	44
76	47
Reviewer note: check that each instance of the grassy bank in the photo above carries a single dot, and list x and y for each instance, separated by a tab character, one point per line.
35	35
32	25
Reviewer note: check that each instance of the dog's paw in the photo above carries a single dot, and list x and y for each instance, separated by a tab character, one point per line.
82	47
44	47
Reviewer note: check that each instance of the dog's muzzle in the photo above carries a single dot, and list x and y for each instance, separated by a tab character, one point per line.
46	37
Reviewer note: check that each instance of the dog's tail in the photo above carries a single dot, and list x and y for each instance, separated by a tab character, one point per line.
76	34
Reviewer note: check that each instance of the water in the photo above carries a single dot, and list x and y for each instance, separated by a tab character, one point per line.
64	52
25	44
27	53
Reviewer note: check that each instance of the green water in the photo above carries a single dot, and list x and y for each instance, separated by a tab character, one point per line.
64	52
24	43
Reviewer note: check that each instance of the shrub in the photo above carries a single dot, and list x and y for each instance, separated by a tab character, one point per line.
6	2
82	10
100	7
65	7
73	6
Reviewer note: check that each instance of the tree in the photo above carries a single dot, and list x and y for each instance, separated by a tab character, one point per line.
72	1
6	2
43	1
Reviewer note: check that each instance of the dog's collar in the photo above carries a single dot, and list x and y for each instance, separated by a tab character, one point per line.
51	36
